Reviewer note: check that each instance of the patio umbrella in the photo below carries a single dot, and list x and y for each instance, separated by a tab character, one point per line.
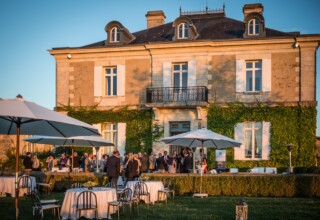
93	141
18	116
201	138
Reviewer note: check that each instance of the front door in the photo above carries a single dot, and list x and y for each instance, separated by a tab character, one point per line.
178	127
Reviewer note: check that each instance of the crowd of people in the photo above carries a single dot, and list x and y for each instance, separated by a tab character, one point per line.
129	166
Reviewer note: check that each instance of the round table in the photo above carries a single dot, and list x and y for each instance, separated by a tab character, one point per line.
104	195
7	185
153	188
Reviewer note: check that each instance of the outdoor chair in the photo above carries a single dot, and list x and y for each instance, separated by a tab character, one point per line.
77	185
35	194
123	199
168	188
87	200
40	205
111	185
25	182
47	185
141	190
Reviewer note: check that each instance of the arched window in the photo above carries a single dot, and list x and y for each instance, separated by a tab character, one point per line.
115	34
183	31
254	27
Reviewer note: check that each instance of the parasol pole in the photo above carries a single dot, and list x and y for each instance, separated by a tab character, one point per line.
72	151
16	199
97	165
201	168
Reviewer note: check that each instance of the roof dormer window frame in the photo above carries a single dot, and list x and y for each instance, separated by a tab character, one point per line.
183	31
254	26
115	35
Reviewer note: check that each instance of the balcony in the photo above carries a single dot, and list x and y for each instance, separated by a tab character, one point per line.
177	96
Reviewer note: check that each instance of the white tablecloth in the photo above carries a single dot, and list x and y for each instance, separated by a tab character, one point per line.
153	188
7	185
104	195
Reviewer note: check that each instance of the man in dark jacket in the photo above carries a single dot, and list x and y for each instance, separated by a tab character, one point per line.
160	162
187	162
113	167
27	162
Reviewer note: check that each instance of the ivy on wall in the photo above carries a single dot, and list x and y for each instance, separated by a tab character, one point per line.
138	124
289	124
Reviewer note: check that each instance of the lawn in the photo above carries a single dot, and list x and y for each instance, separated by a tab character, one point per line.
186	207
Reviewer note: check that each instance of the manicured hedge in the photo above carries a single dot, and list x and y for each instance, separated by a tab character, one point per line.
236	185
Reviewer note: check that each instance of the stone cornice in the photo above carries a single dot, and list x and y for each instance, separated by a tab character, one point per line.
305	40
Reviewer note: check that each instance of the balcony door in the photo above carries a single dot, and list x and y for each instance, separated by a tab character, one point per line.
178	127
180	81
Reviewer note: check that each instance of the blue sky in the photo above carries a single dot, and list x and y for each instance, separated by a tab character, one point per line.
30	28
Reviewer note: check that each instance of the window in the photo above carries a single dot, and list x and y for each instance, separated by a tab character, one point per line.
253	140
254	27
253	76
183	31
110	134
115	34
110	81
180	75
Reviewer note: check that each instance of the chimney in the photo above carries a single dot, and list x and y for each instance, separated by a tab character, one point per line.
252	8
155	18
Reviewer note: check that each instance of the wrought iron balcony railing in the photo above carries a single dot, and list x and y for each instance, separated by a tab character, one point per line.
177	94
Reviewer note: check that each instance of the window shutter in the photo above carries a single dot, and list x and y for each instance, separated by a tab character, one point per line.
192	76
166	74
98	81
98	126
266	140
121	138
240	76
266	75
239	136
121	80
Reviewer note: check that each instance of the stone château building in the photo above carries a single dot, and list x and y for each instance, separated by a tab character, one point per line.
179	69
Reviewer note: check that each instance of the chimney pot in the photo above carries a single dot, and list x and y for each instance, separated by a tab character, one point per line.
155	18
252	8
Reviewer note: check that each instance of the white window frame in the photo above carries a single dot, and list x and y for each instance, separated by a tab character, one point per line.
113	130
253	128
112	74
184	31
239	135
180	72
115	35
254	69
255	24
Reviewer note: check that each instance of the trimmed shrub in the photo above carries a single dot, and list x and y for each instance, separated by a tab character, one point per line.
257	186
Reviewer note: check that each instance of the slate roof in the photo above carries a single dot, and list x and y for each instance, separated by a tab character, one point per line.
209	26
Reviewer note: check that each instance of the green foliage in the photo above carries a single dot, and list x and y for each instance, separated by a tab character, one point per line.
289	124
234	185
138	124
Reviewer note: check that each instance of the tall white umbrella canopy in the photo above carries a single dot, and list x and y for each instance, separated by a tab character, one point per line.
18	116
92	141
202	138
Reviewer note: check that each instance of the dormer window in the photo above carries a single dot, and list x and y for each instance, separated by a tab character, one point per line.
253	21
115	35
183	31
254	27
